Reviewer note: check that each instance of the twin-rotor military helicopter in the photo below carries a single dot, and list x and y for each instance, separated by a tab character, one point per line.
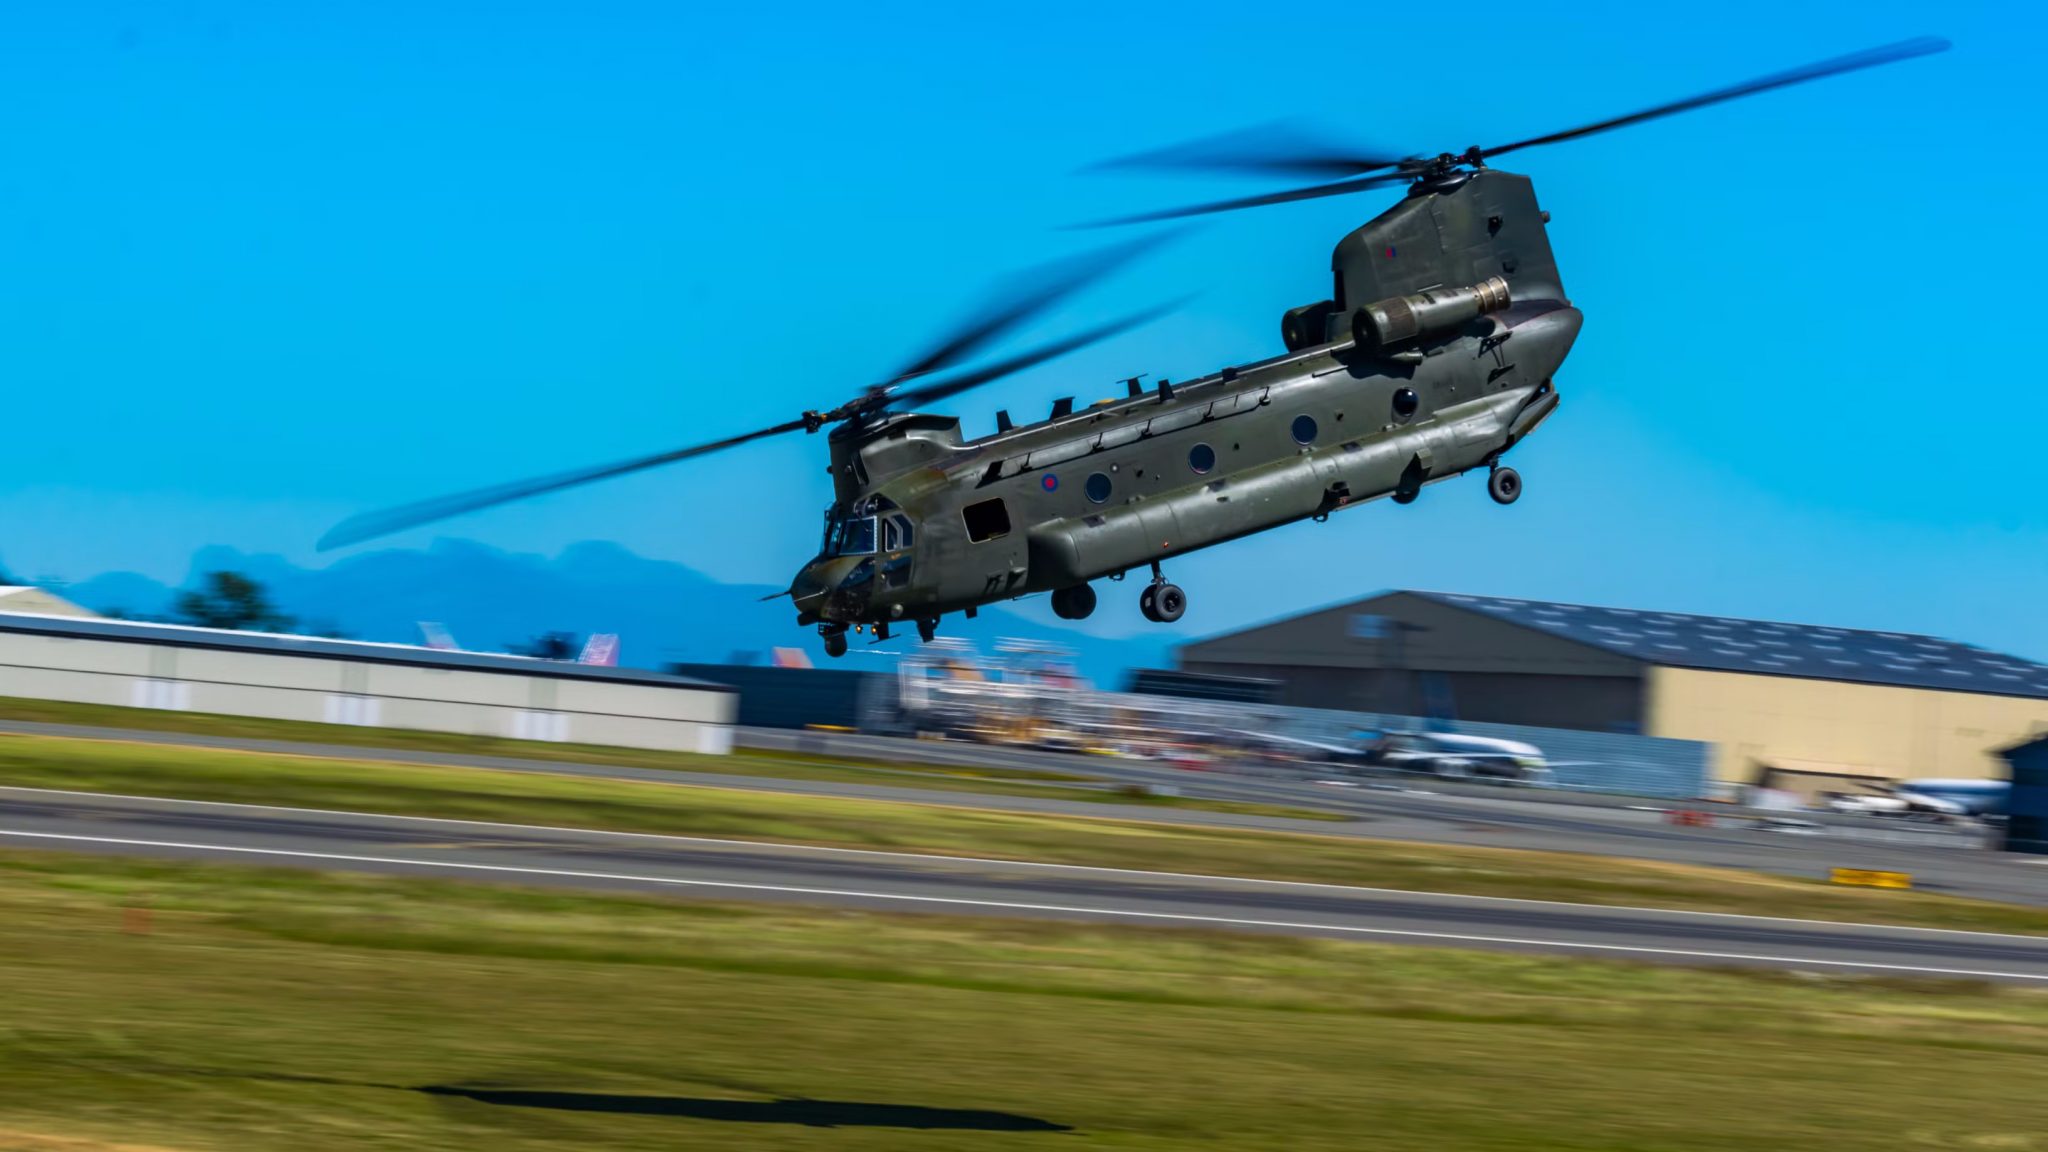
1434	355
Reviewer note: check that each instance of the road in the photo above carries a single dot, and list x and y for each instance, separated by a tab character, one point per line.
520	854
1488	817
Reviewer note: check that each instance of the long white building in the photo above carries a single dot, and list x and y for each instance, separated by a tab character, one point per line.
98	661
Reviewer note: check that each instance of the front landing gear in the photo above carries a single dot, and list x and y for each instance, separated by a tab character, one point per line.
1504	485
1161	602
1075	603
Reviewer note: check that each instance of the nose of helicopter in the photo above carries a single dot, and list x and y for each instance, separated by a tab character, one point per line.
833	588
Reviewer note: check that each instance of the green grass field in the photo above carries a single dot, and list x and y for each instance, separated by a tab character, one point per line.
534	798
258	1009
742	762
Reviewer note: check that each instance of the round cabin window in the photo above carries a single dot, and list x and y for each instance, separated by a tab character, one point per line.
1405	403
1098	487
1304	429
1201	458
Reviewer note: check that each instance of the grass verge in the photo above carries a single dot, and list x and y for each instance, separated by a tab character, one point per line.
259	1009
742	762
571	801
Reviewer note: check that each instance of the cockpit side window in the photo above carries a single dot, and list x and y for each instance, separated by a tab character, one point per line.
896	533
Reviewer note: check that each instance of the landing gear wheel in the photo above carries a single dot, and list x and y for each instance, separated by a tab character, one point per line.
1168	602
1075	603
1504	485
1406	495
1148	603
835	644
927	629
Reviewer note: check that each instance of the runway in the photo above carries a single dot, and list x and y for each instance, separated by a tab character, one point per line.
1489	817
885	881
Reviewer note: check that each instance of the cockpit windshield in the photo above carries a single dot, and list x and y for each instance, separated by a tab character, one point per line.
856	537
856	530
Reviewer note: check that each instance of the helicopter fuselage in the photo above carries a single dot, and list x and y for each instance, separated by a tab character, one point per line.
926	522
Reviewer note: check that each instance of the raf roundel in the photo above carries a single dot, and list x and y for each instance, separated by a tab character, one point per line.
1050	483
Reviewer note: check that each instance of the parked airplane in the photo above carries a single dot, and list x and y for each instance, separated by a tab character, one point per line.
1928	798
1433	753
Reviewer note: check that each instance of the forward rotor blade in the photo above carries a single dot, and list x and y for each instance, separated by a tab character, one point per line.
1281	148
1314	192
1855	61
1025	295
370	525
940	390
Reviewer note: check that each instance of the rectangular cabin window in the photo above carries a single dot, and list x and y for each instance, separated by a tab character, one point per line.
987	520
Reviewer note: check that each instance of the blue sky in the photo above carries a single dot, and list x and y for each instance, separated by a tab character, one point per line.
269	265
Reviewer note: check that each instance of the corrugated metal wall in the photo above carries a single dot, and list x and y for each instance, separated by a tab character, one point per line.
773	697
148	667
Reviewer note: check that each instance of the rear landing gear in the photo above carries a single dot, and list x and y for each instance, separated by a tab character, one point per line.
1075	603
1161	602
1504	485
927	629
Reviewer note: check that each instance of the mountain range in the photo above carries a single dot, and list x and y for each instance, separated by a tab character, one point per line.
489	599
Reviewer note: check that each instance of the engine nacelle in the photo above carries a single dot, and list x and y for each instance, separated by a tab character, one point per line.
1308	325
1393	322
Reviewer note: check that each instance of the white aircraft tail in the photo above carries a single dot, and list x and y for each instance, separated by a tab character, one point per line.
602	649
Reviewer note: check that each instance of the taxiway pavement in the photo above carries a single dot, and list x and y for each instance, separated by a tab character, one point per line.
1498	818
715	869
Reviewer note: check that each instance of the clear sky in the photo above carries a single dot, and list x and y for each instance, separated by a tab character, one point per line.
266	265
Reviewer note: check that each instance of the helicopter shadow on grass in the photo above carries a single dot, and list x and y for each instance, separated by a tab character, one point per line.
808	1113
779	1110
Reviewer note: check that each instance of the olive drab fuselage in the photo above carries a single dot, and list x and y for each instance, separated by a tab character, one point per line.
1434	355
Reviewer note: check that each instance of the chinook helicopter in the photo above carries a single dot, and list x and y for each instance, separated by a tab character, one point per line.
1434	356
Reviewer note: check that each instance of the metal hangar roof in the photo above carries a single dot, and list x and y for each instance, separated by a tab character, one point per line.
1810	651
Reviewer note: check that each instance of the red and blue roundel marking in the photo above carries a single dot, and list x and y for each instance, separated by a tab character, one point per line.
1390	251
1049	482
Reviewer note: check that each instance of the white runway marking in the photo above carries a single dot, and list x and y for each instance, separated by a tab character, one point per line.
1012	906
1000	862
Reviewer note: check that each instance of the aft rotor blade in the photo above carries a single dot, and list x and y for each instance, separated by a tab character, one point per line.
1281	148
1855	61
370	525
1314	192
953	386
1025	295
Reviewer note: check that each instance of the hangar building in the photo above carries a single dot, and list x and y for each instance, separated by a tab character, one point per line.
94	661
2026	827
1794	705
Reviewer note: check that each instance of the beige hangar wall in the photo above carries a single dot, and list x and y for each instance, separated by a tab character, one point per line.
1874	729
